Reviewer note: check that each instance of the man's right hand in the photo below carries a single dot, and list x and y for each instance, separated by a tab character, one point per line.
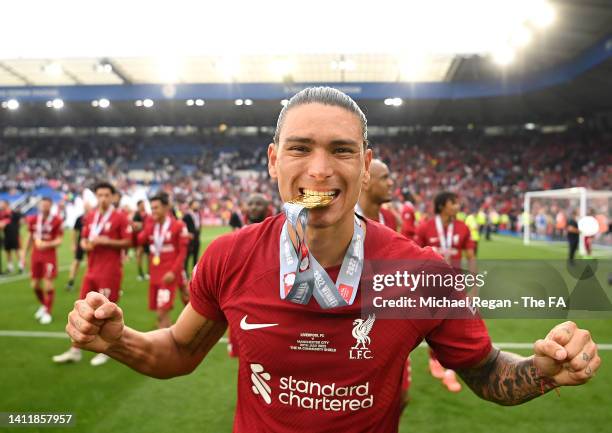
95	323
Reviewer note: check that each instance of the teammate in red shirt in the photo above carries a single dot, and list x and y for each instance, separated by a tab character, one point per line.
45	234
375	193
106	233
451	238
167	239
304	366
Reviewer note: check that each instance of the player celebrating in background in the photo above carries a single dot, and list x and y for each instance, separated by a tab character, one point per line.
45	235
106	233
449	237
333	378
167	238
375	193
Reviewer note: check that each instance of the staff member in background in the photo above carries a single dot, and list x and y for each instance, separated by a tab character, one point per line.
77	249
12	241
573	236
194	227
139	220
472	224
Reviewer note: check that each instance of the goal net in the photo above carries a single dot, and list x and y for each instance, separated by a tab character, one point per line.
546	213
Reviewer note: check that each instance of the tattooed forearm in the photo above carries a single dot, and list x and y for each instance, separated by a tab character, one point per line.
506	379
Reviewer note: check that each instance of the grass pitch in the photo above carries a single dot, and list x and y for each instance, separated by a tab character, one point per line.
113	398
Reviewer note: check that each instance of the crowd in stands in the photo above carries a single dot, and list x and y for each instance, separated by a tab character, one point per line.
490	171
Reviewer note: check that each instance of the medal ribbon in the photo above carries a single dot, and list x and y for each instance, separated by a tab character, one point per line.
302	276
97	226
446	243
159	235
39	225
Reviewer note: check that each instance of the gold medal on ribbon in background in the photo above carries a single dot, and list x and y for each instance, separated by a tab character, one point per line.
156	260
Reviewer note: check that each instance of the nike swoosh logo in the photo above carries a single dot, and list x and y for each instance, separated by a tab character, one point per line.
250	326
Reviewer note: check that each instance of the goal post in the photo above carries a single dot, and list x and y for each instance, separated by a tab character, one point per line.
579	198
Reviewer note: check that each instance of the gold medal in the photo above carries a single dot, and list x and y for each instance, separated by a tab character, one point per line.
156	260
312	201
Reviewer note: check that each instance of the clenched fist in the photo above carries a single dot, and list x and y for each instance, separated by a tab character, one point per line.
567	355
95	323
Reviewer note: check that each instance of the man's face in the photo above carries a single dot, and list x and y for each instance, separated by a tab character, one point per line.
3	205
257	209
379	187
105	197
451	208
320	150
195	206
44	207
141	207
158	210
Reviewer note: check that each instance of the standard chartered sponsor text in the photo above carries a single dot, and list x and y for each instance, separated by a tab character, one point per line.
329	397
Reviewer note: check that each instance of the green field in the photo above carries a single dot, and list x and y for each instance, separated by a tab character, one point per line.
113	398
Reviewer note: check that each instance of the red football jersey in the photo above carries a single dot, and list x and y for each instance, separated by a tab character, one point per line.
296	369
174	249
388	218
408	220
427	236
103	261
51	230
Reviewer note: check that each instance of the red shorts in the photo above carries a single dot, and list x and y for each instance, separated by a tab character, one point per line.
406	376
108	286
161	296
40	269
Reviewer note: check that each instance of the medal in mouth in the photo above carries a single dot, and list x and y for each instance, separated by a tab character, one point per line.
314	199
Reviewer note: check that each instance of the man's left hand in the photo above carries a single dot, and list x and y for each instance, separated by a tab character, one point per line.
568	355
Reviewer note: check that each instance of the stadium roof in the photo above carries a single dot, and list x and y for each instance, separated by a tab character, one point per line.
121	42
445	72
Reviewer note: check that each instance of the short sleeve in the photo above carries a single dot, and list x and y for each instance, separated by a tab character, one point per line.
460	343
421	235
207	279
125	228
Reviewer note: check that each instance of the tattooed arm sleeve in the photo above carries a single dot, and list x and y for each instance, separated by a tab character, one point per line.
506	378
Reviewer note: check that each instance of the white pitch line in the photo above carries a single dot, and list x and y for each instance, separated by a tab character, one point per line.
44	334
26	275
